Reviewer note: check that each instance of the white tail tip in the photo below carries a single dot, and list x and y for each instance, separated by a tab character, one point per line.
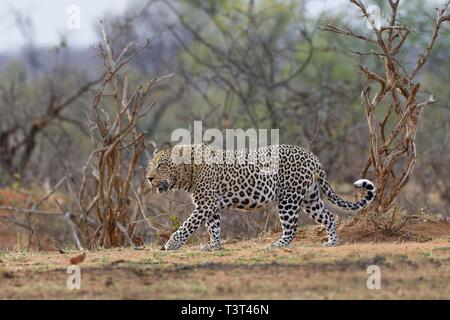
363	183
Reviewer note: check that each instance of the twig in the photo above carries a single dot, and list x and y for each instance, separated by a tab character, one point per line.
31	211
57	185
68	217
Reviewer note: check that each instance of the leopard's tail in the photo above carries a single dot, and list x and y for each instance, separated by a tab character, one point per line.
335	199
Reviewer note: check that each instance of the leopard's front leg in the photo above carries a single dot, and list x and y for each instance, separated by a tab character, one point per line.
197	218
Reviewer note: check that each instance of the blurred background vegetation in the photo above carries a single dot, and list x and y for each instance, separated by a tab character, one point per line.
237	64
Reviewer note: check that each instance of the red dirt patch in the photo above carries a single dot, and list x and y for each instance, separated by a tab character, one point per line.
16	234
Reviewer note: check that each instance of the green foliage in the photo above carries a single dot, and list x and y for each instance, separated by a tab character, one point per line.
174	221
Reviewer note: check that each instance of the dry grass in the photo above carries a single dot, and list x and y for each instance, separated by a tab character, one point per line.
414	264
243	270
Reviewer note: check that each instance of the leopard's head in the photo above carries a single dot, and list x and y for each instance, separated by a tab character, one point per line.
170	169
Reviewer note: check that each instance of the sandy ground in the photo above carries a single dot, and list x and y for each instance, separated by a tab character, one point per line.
242	270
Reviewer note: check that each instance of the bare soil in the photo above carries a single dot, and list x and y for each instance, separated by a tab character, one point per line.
414	262
242	270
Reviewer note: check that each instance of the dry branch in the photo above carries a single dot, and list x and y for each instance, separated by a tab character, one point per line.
112	169
392	161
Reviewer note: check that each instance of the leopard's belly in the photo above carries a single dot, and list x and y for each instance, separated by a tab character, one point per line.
247	190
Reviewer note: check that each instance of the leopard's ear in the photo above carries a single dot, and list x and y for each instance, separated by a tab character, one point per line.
165	146
207	144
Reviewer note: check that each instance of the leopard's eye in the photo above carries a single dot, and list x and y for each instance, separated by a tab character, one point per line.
161	163
158	166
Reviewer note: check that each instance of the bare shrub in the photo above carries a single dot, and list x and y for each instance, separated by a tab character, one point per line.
111	180
393	111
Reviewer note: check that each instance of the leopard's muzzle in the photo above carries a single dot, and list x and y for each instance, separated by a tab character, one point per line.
164	186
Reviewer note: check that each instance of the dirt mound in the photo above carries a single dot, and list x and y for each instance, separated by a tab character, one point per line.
361	230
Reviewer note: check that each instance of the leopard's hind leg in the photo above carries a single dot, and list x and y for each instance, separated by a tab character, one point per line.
288	214
314	207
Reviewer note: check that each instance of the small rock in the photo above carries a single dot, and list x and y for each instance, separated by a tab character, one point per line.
109	282
7	275
79	258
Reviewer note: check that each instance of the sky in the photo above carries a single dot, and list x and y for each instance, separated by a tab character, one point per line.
50	18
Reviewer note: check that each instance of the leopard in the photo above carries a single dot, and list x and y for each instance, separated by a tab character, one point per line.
290	176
